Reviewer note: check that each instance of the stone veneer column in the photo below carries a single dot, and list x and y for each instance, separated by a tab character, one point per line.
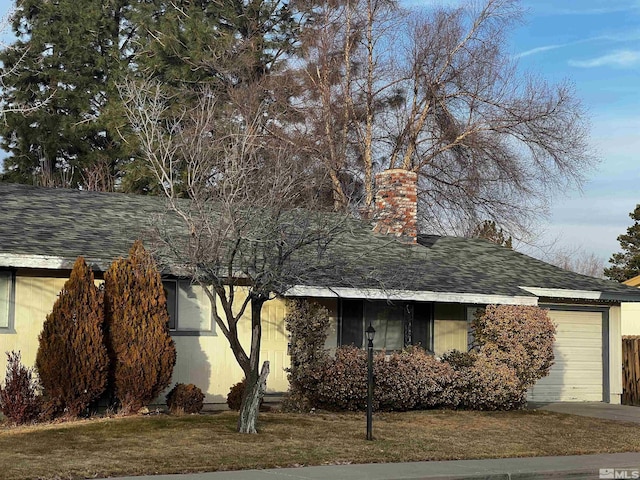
396	204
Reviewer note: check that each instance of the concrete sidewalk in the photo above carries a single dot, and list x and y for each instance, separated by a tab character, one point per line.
574	467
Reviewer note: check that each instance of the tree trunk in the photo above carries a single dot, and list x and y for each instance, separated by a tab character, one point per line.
255	385
253	393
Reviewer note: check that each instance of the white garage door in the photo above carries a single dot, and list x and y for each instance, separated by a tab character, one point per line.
577	372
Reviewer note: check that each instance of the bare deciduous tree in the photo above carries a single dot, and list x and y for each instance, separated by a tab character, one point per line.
578	260
244	235
439	94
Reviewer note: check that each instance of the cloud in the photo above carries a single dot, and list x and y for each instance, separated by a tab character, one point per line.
544	48
620	37
620	59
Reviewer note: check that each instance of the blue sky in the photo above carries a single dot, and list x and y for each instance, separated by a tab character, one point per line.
596	45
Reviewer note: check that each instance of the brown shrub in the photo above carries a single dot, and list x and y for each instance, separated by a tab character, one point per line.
403	380
411	379
485	385
343	383
141	350
234	397
72	360
185	399
19	400
459	360
520	337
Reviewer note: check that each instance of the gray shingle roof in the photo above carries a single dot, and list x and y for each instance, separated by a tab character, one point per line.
101	227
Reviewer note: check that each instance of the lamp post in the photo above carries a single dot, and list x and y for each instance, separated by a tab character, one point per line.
371	332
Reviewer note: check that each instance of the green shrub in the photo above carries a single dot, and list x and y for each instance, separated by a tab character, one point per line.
307	324
19	399
141	350
72	360
185	399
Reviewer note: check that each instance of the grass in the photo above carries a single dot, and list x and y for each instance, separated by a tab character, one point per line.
208	442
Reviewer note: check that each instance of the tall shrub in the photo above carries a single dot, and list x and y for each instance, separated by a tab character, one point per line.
518	336
19	399
307	323
141	350
72	360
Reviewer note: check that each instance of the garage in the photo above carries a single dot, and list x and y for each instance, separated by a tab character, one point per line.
577	374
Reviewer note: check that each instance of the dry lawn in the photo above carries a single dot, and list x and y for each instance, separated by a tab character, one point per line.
208	442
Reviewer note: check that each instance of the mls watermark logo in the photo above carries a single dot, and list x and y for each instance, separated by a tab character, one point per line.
619	473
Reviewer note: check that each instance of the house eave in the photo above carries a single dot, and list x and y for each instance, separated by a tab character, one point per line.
46	262
594	295
408	295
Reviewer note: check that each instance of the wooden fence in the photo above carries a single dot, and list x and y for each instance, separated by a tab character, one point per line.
631	370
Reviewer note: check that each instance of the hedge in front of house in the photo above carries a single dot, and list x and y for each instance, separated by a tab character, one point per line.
410	379
482	383
514	348
407	380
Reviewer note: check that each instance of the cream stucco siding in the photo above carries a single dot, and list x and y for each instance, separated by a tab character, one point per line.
205	360
34	299
450	328
630	318
208	362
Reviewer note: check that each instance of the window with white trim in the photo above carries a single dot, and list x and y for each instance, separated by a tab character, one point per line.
189	307
6	292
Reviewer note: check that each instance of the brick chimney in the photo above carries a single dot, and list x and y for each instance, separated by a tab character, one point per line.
396	204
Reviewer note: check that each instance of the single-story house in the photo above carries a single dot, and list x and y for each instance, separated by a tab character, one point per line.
432	285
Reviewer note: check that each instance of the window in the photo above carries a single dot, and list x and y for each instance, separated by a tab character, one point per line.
397	324
188	306
6	300
389	322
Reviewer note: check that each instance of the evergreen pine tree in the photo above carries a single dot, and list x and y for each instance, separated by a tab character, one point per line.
626	264
489	230
187	44
66	61
141	350
72	360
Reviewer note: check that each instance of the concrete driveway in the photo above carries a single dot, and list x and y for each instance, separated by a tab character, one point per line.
622	413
